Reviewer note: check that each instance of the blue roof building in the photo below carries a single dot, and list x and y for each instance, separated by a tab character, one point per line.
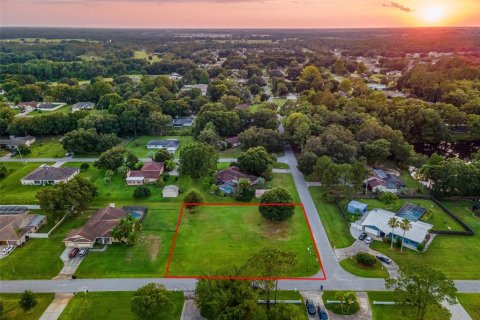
356	207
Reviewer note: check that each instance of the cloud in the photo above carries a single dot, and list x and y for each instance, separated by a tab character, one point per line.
396	5
133	1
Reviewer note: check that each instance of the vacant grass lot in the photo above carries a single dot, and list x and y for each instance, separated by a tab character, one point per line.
64	109
352	266
11	189
39	258
456	256
147	258
139	144
336	226
385	312
142	54
214	239
46	148
471	303
12	311
113	305
439	219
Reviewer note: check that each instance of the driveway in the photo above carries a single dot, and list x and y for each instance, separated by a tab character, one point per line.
69	265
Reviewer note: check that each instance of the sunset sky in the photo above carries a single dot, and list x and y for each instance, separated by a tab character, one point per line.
239	13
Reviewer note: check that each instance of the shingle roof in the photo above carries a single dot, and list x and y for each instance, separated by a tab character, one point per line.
51	173
153	166
99	225
233	174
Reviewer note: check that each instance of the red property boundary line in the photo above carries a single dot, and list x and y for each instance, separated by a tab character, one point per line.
240	277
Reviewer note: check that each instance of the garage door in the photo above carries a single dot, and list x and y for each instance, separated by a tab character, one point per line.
372	231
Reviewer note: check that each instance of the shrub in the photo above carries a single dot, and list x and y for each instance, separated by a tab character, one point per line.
388	198
160	183
141	192
84	167
365	259
427	216
193	196
398	242
421	246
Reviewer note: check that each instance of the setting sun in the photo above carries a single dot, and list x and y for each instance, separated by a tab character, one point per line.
433	14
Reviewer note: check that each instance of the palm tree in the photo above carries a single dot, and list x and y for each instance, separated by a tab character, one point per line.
392	223
405	225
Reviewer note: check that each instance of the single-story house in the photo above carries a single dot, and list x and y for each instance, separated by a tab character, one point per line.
182	122
46	175
202	87
171	145
50	106
15	228
377	86
13	142
98	228
27	105
175	76
83	106
384	181
232	142
170	191
227	179
356	207
376	224
149	173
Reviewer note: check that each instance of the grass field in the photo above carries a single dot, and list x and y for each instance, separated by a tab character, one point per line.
11	190
142	54
230	153
39	258
471	303
214	239
139	145
147	258
337	227
46	148
440	219
386	312
64	109
113	305
456	256
12	311
287	295
352	266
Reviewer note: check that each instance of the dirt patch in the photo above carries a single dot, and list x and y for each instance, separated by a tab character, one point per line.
154	246
276	230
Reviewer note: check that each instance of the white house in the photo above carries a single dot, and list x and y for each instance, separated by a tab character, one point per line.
171	145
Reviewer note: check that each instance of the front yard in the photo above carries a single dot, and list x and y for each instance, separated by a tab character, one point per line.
456	256
113	305
46	148
139	144
12	311
471	303
214	239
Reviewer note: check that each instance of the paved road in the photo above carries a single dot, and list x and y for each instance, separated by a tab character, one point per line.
70	159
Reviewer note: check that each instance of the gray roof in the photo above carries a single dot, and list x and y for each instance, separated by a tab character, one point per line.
36	221
182	121
164	143
16	141
10	209
51	173
83	105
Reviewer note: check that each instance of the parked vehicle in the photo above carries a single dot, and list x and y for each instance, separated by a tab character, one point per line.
362	236
73	253
322	313
310	307
368	240
383	258
7	249
83	252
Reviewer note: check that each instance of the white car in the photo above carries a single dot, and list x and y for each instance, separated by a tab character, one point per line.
7	249
368	240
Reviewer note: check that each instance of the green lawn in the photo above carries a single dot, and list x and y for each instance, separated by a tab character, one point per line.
471	303
352	266
281	165
147	258
440	219
216	238
113	305
12	311
230	153
456	256
46	148
11	190
389	312
337	227
39	258
411	183
139	144
335	307
287	295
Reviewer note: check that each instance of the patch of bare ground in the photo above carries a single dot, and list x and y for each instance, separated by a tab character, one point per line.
154	246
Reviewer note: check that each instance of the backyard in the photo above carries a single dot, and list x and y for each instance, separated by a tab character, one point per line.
11	189
456	256
214	239
113	305
12	311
